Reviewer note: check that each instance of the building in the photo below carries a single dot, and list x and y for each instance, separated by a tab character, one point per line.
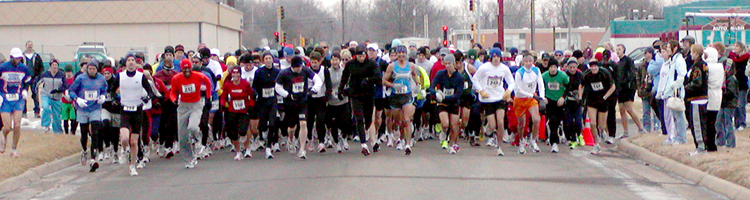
546	39
639	31
59	27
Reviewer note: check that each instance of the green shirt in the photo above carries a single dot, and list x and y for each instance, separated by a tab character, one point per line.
554	86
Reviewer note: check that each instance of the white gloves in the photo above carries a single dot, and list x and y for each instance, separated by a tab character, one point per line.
313	90
101	99
24	94
439	96
422	93
82	102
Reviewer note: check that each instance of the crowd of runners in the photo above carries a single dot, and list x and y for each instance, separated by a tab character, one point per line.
318	99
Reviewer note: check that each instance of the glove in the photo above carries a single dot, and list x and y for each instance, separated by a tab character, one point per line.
423	93
101	99
82	102
344	92
340	97
439	96
145	99
24	94
313	90
157	102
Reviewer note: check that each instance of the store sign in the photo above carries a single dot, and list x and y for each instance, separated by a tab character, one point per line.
726	29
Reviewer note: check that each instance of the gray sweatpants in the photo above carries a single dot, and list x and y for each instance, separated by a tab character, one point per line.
188	118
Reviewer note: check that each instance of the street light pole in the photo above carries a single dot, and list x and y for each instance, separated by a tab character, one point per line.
343	25
532	25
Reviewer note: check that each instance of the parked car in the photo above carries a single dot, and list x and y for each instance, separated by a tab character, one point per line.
46	58
637	55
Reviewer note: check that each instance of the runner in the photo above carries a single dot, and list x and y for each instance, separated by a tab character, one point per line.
316	102
599	86
68	111
555	86
249	65
111	110
625	77
399	77
186	94
88	92
338	114
447	86
572	107
237	99
530	87
207	66
493	94
468	97
292	85
263	83
51	93
360	76
168	121
15	78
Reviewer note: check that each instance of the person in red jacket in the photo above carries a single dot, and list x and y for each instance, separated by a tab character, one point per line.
186	94
238	101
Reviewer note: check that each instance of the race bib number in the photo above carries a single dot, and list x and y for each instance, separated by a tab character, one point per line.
494	82
238	104
90	95
130	108
279	99
335	92
214	105
298	87
401	89
597	86
466	84
11	97
449	92
553	86
268	92
190	88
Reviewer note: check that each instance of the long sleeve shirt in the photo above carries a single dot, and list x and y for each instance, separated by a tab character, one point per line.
13	79
188	88
361	78
529	81
52	83
295	83
654	67
89	89
490	78
265	81
451	85
237	97
673	77
336	73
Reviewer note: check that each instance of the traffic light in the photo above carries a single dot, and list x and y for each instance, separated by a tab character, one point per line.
302	41
445	35
473	27
284	38
471	5
276	34
281	12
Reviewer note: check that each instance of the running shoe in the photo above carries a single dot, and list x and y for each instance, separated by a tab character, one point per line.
161	151
176	147
123	157
345	144
321	148
522	147
400	145
100	157
310	146
573	144
133	172
581	142
269	155
146	154
3	141
625	135
238	156
697	152
356	139
276	147
444	144
535	147
455	149
302	154
83	158
192	163
141	164
365	151
555	149
338	148
451	151
610	140
390	142
596	149
407	151
248	153
93	165
115	158
170	153
507	138
328	142
500	152
376	147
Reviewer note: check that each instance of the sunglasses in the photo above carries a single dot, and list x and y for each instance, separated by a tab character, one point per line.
196	62
345	60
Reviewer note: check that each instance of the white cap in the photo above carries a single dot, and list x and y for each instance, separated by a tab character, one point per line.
16	53
353	43
373	46
215	51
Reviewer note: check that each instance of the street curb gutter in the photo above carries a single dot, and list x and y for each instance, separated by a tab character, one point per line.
716	184
37	173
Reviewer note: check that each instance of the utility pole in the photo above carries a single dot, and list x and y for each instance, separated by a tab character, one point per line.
343	25
570	26
500	22
278	18
532	26
414	22
426	27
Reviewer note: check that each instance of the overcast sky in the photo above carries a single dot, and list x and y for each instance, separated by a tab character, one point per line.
453	3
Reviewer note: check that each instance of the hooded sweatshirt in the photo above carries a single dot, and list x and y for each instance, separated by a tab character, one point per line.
715	78
52	82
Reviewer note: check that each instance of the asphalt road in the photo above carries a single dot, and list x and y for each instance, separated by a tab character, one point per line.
429	173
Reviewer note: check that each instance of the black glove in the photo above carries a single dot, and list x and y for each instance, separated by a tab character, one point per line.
344	92
145	99
56	91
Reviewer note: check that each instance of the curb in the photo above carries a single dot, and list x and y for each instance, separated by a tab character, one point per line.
37	173
716	184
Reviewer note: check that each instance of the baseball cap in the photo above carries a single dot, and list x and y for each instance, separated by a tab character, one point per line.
16	53
372	46
449	58
689	38
215	51
297	61
444	51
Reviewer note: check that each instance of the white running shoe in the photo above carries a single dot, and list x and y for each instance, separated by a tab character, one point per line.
146	154
338	147
356	139
192	163
248	153
176	147
200	150
141	164
93	165
555	149
507	138
321	148
115	158
269	155
500	152
123	157
522	147
390	142
276	147
535	147
302	154
400	145
100	157
345	144
133	172
596	149
238	156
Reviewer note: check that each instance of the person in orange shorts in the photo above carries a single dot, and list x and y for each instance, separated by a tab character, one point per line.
529	86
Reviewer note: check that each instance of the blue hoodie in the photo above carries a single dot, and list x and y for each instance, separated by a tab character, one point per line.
13	79
83	84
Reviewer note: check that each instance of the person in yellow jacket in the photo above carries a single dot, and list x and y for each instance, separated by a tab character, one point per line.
420	116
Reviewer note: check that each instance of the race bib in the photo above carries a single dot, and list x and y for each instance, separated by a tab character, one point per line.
190	88
466	84
279	99
335	92
448	92
90	95
494	82
553	86
597	86
214	105
401	89
11	97
238	104
268	92
298	87
130	108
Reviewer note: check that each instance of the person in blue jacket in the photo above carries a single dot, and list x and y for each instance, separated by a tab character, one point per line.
88	92
448	86
14	79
